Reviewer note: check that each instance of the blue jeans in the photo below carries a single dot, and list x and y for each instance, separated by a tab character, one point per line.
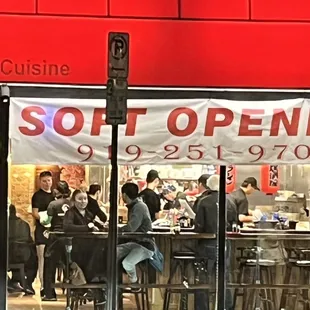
131	254
209	253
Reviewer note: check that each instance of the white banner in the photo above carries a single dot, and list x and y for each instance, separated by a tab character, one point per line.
200	131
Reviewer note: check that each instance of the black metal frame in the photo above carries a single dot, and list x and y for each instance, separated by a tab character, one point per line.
91	93
85	92
4	152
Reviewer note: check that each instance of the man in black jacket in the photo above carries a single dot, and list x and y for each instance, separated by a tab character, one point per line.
21	251
203	190
139	220
206	222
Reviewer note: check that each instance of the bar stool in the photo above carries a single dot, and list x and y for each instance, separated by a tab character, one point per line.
143	293
180	261
262	274
80	297
302	263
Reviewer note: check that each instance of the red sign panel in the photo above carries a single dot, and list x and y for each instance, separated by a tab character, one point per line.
173	43
269	179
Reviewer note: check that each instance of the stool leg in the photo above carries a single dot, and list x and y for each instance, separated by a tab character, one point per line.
296	299
252	295
239	279
305	295
266	292
173	270
245	297
287	280
184	296
138	304
147	299
273	291
145	291
307	281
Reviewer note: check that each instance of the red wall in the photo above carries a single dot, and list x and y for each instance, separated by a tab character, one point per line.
206	43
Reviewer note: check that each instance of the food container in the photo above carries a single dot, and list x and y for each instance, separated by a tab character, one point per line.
270	224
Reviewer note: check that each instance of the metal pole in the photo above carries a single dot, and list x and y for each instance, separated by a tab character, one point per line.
4	152
112	302
116	114
221	262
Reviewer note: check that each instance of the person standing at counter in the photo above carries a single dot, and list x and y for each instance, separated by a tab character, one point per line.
239	198
203	190
149	196
139	220
40	201
206	222
177	200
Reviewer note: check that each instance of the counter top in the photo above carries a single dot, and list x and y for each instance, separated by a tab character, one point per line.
263	234
104	235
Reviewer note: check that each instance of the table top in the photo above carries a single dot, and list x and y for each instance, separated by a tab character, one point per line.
268	234
103	235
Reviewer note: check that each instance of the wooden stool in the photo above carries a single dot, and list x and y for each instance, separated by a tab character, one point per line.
144	292
267	296
300	296
180	260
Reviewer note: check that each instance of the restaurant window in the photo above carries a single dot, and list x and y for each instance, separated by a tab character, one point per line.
162	254
269	246
166	257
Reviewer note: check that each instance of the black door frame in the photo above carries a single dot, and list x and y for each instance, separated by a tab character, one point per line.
84	92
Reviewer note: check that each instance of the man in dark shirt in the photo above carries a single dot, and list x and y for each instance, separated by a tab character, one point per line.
206	222
139	220
93	206
150	198
21	251
202	189
40	201
55	249
239	197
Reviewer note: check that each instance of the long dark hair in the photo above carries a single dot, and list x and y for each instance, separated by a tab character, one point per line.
75	193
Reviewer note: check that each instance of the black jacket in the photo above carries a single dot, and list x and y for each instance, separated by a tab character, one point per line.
19	230
93	207
74	221
20	241
206	218
196	204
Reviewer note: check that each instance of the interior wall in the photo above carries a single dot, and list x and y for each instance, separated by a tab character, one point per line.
294	177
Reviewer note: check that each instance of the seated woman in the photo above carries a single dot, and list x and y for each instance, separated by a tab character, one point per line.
55	251
86	252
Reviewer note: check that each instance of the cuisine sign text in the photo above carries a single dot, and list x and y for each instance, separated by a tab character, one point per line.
160	131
